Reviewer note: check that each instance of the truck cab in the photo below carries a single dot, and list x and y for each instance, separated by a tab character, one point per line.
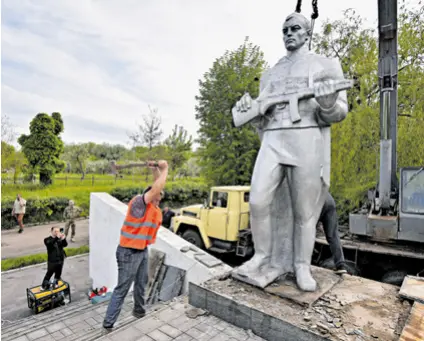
219	223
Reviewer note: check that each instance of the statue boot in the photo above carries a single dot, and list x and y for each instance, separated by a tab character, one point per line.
304	242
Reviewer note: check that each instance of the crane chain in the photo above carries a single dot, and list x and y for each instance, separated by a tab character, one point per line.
298	6
314	9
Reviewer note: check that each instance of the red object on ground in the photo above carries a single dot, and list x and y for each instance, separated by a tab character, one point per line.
98	292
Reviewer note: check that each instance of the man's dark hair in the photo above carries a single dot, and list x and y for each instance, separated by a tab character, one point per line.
162	193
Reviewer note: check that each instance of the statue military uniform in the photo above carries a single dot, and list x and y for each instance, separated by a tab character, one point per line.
291	176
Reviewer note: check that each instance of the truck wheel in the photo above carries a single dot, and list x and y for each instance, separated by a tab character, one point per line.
193	237
394	277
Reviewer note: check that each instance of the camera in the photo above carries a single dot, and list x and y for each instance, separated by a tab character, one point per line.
61	230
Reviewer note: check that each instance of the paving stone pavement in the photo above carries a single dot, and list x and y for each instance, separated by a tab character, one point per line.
172	323
163	322
31	241
14	284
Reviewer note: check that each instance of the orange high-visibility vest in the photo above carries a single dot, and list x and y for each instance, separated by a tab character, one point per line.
138	233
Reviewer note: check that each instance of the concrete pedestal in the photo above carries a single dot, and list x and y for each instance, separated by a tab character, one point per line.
353	308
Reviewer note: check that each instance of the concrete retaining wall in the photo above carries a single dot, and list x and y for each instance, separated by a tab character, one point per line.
106	217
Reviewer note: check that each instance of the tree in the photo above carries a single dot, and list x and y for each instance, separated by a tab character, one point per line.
355	141
12	160
8	133
149	133
227	154
7	153
78	155
179	146
43	146
190	168
108	152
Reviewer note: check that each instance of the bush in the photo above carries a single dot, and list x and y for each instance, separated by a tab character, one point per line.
19	262
47	204
175	195
37	211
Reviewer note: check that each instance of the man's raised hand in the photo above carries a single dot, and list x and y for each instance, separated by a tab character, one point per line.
162	164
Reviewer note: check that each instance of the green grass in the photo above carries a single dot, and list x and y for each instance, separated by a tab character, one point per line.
20	262
79	191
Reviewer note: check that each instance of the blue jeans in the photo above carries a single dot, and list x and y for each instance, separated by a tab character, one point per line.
132	267
330	225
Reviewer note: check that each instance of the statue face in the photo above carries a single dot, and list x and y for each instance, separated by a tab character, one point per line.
295	35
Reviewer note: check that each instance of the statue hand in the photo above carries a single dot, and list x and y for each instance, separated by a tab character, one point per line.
325	94
245	103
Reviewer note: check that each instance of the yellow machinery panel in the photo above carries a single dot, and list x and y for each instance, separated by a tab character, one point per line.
40	300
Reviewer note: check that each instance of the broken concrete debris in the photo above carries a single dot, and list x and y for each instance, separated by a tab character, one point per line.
165	282
188	248
196	312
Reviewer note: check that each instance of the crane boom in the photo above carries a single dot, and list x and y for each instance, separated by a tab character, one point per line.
388	72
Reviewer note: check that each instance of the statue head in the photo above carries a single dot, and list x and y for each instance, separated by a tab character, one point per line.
296	31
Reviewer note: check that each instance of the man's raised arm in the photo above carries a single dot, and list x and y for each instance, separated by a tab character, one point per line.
159	183
156	173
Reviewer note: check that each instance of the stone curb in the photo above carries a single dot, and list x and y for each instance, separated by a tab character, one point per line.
34	265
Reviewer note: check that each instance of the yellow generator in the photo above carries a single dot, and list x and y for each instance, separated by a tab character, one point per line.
44	299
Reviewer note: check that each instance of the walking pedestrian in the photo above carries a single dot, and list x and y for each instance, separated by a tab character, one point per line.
18	211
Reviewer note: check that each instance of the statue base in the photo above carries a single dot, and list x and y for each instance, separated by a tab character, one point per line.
345	309
286	287
260	279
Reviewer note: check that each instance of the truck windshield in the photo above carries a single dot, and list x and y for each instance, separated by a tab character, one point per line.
413	191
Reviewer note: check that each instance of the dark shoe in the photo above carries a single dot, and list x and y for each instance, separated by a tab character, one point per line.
139	315
342	269
107	328
21	230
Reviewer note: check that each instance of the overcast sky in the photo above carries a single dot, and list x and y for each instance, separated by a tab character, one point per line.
102	62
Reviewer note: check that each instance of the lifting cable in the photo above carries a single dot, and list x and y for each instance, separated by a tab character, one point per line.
313	16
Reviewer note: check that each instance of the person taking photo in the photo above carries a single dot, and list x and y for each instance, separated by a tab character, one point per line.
55	245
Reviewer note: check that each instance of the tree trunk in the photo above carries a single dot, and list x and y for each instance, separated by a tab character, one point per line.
45	179
82	169
15	176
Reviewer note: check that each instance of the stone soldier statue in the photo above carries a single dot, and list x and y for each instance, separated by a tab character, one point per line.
291	176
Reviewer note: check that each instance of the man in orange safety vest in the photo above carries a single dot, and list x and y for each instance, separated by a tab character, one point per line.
138	231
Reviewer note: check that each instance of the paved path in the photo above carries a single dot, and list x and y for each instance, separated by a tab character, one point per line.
14	284
174	324
31	241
